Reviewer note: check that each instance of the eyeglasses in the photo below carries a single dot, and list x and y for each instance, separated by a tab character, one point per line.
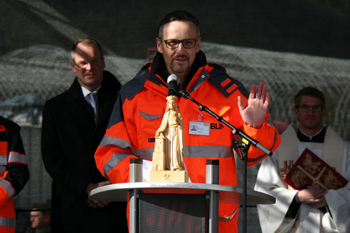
306	108
84	64
187	44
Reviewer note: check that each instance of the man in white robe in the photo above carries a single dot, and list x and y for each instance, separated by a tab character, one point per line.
311	209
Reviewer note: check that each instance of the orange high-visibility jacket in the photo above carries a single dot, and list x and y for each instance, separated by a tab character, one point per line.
14	172
139	110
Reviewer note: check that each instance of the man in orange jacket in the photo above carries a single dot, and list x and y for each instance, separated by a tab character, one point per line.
141	104
14	172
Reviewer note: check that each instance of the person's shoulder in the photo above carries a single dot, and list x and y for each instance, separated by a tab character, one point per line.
225	83
8	123
135	85
111	80
331	131
57	100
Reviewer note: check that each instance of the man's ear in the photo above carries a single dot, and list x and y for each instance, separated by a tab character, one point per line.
73	66
198	45
159	45
296	111
324	112
103	62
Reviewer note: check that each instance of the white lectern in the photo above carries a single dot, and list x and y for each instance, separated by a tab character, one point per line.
214	193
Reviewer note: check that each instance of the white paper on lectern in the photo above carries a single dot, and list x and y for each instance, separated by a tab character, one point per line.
146	168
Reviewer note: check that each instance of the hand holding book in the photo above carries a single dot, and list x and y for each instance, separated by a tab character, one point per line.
309	169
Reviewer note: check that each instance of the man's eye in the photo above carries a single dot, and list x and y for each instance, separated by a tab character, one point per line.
173	42
188	43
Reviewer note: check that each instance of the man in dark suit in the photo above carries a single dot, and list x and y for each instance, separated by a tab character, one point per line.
74	123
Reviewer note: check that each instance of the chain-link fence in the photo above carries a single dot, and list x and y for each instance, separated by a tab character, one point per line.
32	75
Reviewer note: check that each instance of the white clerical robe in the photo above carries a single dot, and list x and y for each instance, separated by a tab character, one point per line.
273	217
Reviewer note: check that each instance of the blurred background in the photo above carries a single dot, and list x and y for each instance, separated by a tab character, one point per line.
286	44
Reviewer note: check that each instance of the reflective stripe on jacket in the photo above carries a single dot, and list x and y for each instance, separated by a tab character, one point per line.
7	217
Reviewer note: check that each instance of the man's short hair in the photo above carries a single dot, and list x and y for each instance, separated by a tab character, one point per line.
44	208
86	41
310	91
178	15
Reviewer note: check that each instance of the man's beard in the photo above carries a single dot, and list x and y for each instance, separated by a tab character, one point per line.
180	68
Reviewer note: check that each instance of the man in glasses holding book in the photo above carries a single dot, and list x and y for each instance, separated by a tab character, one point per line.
308	174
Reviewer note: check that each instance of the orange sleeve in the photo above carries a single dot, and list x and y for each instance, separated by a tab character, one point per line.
267	136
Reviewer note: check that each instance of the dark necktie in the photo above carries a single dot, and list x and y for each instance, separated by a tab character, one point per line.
93	102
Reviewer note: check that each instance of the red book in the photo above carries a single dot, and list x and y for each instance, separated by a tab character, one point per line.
309	169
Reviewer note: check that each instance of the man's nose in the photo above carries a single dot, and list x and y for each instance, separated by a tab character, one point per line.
180	49
88	66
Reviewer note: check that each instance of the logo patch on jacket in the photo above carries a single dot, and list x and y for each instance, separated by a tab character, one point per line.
216	126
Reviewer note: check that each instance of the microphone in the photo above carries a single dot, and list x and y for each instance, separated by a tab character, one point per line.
172	81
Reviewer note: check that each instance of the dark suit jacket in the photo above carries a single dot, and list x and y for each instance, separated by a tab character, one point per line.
70	137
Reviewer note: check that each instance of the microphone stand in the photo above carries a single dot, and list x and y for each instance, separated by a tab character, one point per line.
243	149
